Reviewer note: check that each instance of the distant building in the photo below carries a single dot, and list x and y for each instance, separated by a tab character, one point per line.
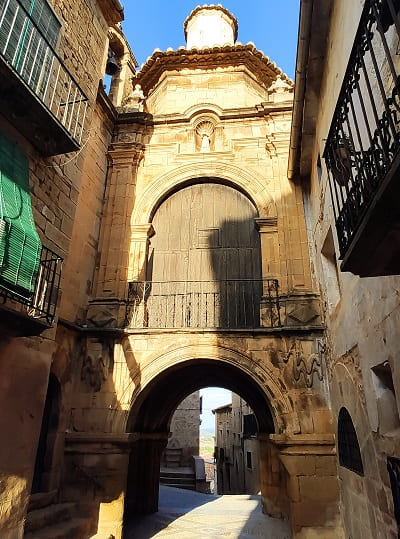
184	440
236	448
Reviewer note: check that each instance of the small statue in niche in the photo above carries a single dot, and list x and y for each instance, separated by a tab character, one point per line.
135	101
205	143
205	136
94	372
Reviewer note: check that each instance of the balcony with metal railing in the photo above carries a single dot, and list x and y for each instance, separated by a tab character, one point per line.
230	304
362	149
39	307
38	94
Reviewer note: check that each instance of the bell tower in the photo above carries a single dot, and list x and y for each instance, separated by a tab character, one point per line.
210	26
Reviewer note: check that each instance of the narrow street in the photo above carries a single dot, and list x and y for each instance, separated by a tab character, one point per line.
185	514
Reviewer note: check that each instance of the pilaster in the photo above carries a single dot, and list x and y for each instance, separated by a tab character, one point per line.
115	240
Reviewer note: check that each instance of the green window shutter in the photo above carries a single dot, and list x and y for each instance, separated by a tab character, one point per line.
20	246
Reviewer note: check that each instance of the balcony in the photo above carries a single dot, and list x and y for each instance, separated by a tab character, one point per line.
362	149
39	308
230	304
38	94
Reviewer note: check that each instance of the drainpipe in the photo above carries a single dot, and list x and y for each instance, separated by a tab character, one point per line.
303	48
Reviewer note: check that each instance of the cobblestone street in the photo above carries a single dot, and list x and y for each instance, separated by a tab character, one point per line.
185	514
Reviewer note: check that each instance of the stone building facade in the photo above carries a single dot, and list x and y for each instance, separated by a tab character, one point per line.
200	225
237	456
184	441
346	111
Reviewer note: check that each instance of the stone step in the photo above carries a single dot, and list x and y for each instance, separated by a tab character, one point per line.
169	458
179	475
172	451
45	516
177	480
180	485
173	464
75	528
41	499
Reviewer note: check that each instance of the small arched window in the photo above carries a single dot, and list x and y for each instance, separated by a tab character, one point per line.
349	448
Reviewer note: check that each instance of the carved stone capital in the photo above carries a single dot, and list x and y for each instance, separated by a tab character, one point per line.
266	225
122	154
141	232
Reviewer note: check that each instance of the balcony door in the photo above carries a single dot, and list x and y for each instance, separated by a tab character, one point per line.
204	260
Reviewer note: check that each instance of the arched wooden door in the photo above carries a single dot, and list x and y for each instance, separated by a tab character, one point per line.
204	260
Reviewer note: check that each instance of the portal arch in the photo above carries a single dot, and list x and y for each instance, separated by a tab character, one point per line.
166	382
250	183
245	376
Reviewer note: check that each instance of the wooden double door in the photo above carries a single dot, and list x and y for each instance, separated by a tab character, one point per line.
204	260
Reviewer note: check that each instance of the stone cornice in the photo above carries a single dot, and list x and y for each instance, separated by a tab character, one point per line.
259	111
260	65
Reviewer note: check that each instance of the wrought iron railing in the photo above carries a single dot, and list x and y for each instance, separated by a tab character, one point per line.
229	304
27	50
365	132
42	304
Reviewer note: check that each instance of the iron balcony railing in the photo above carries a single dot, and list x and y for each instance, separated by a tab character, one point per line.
365	131
228	304
42	304
27	50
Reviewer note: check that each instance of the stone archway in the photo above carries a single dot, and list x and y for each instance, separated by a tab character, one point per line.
250	183
152	410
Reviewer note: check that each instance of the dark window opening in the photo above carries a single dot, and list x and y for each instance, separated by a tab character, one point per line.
249	462
393	466
349	449
249	425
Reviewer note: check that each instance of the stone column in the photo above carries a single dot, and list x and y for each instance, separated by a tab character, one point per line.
312	485
115	242
273	495
144	473
137	274
268	229
95	469
140	235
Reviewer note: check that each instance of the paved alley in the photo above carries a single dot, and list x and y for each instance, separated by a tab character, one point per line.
185	514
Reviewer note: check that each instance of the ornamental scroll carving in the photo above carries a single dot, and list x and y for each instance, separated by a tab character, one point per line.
306	364
96	364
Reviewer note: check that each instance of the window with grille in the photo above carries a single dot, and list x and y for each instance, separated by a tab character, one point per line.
348	446
29	29
20	246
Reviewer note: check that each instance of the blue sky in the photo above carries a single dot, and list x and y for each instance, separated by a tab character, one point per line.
271	25
212	398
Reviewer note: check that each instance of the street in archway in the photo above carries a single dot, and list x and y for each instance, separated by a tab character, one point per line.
186	514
